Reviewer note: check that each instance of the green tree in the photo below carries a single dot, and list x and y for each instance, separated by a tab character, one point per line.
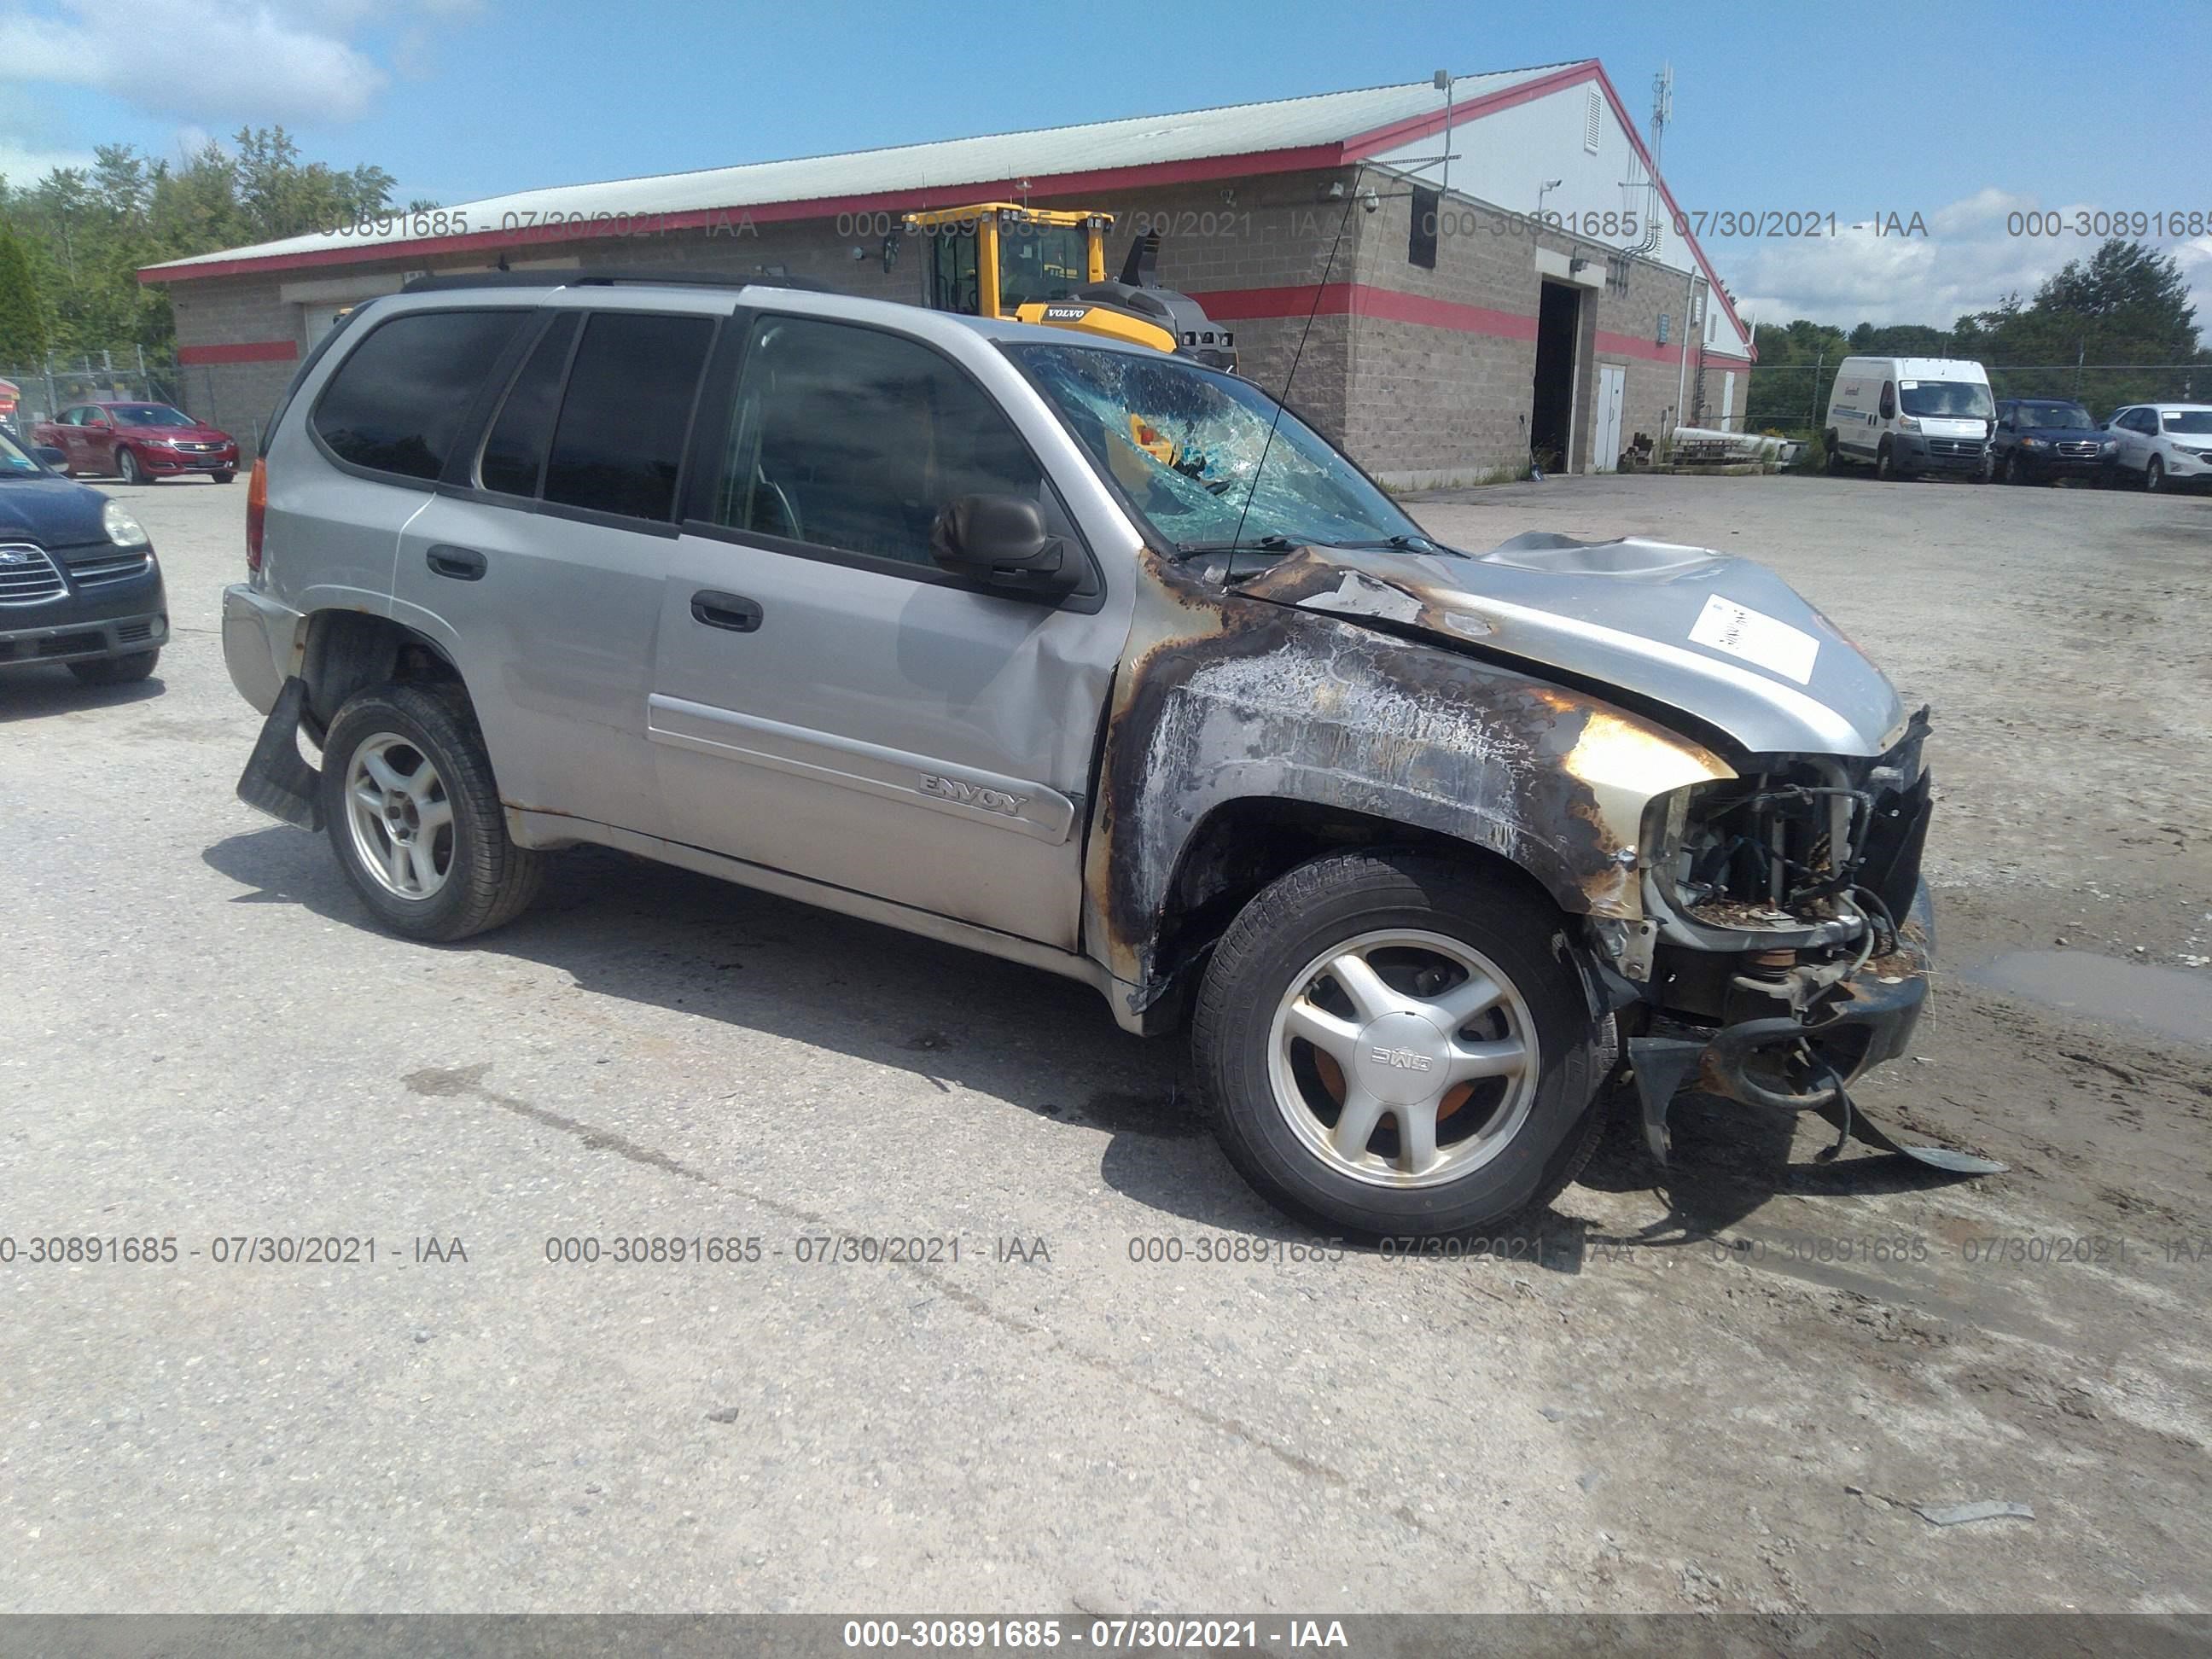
86	232
22	319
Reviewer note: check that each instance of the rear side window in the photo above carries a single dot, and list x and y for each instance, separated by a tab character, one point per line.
514	453
397	404
619	443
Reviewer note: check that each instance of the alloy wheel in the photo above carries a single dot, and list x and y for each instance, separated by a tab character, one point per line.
1404	1058
401	819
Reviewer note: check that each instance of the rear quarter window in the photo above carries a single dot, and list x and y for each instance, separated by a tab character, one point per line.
396	404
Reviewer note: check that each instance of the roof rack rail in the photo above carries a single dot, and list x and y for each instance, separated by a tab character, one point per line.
583	278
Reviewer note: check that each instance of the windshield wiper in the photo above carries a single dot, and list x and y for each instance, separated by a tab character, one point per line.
1402	543
1268	543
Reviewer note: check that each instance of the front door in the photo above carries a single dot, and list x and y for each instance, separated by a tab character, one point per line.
826	701
1612	382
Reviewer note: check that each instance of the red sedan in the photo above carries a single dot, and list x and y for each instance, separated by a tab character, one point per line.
138	443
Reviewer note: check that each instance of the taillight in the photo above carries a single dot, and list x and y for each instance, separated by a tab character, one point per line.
257	509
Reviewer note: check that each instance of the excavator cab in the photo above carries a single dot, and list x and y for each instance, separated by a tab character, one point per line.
1039	265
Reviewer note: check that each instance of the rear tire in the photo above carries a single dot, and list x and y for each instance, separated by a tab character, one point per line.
1476	1154
115	670
443	867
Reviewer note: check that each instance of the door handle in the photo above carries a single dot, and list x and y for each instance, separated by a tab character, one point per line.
463	564
731	610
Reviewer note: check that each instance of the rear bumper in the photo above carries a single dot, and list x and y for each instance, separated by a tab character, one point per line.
260	643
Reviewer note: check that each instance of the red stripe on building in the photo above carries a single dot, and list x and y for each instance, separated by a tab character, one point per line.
251	351
1243	304
1635	345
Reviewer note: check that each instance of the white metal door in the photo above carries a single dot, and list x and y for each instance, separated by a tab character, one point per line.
1612	385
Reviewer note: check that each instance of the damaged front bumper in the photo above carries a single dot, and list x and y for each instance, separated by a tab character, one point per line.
1804	1060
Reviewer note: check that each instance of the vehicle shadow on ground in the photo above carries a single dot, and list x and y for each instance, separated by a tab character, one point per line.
1727	1162
666	938
31	693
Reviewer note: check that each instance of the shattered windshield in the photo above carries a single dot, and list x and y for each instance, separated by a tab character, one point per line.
1185	444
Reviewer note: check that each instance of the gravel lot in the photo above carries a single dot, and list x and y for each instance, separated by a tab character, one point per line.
1723	1387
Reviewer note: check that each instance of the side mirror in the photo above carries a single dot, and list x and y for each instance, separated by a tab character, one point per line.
47	456
1001	542
1888	406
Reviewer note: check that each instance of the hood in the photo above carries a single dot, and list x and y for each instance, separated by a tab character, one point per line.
1721	639
190	435
50	511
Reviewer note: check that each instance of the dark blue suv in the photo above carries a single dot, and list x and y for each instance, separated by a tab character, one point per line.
79	583
2039	439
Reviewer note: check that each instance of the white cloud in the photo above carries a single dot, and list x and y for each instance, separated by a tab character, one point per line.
22	165
1975	250
299	62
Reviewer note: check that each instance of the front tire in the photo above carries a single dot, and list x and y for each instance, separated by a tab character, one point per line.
2154	475
223	478
1885	466
1393	1045
413	813
127	467
115	670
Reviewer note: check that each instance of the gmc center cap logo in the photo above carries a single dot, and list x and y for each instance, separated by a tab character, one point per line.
1402	1059
1399	1054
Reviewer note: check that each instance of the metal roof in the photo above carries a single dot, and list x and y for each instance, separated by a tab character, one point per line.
957	164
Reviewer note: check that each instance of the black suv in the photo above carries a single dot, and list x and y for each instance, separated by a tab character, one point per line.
79	583
2039	439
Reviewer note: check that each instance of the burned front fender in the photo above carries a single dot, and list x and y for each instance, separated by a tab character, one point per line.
1224	697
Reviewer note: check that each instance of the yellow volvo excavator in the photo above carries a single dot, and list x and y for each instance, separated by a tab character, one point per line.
1041	265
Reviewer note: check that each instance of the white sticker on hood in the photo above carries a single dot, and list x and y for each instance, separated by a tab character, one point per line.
1756	638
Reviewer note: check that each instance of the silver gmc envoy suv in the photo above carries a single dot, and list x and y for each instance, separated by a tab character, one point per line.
1094	659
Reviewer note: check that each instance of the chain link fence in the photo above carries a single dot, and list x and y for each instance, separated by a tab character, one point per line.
128	374
1791	400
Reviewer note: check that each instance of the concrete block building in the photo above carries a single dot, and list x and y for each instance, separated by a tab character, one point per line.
1466	272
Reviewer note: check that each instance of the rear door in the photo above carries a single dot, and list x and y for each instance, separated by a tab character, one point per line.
541	561
826	701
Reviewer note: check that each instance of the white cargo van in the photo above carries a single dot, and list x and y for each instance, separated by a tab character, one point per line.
1906	415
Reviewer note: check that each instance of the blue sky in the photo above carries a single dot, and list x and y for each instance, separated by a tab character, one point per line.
1989	110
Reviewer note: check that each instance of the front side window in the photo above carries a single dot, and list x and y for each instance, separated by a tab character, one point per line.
396	405
1185	444
13	458
619	443
1040	263
856	440
1945	400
